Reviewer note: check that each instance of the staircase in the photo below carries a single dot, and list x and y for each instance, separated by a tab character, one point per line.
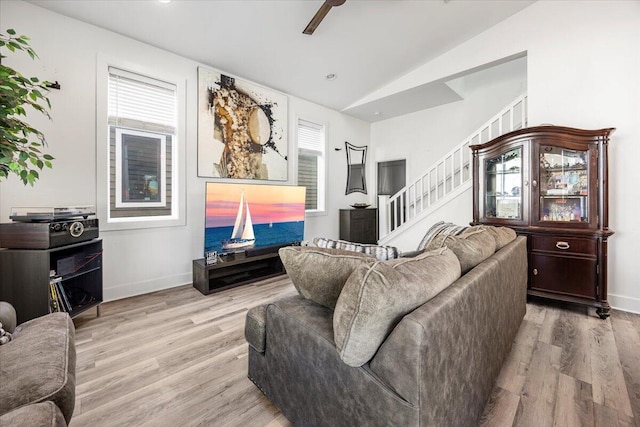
447	178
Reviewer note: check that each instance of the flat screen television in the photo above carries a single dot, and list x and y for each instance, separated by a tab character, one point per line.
244	217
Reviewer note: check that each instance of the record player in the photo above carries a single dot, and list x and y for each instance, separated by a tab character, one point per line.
45	228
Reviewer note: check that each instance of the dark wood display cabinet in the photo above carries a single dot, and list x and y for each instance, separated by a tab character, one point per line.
26	274
359	225
550	183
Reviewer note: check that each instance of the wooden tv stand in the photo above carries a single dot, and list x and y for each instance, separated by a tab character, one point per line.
235	270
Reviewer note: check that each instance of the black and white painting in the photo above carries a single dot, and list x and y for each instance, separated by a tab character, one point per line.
242	129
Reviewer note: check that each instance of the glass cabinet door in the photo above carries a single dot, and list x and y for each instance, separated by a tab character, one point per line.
564	185
503	186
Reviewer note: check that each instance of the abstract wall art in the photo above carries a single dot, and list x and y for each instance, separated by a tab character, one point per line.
242	129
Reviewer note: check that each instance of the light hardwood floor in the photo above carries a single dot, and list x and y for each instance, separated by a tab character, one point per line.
178	358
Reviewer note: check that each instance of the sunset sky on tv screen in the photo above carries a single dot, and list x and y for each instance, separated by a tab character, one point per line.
267	203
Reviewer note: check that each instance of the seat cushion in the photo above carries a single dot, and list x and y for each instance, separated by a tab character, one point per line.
39	364
319	274
45	414
375	299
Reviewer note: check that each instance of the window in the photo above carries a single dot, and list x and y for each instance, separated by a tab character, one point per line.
142	120
311	163
140	172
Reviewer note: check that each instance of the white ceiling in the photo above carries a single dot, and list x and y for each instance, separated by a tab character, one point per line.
367	43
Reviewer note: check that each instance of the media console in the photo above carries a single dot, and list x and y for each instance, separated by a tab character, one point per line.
235	270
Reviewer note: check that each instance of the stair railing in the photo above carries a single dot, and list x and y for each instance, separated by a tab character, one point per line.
447	177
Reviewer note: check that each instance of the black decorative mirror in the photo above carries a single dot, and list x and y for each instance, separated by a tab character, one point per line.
356	157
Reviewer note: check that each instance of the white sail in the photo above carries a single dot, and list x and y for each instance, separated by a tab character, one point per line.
247	232
242	235
237	227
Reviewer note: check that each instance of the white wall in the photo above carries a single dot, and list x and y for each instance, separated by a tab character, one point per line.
136	261
456	210
583	67
423	137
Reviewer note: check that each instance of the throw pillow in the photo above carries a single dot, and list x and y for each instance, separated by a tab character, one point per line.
438	229
5	336
381	253
319	274
502	235
375	298
471	248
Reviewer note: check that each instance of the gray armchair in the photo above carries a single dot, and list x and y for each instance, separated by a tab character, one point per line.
37	368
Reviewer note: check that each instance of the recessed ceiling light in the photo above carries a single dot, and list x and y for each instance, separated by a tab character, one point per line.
331	76
164	1
377	113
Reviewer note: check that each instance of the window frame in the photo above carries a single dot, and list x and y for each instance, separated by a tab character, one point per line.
162	191
177	215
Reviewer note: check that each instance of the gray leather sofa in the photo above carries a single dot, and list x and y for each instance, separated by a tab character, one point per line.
437	367
37	370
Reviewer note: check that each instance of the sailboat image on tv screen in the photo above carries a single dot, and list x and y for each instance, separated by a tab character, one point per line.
242	235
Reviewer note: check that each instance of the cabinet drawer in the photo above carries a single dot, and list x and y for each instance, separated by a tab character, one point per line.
559	244
565	275
362	213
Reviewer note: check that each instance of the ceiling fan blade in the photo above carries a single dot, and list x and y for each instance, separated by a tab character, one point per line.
317	18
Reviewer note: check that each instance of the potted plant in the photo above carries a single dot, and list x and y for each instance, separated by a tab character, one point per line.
20	143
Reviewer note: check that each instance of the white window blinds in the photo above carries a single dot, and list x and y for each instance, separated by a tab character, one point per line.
310	137
140	98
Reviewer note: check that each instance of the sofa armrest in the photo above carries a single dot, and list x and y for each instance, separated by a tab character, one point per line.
7	317
446	354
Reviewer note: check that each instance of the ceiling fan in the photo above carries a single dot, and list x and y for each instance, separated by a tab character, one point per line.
320	14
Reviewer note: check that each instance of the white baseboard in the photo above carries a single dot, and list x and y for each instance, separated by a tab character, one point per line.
144	287
623	303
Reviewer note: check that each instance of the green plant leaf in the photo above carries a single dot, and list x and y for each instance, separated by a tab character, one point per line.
19	141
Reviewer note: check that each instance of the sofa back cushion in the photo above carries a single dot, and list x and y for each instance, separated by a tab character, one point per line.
502	235
319	274
471	248
437	229
375	298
